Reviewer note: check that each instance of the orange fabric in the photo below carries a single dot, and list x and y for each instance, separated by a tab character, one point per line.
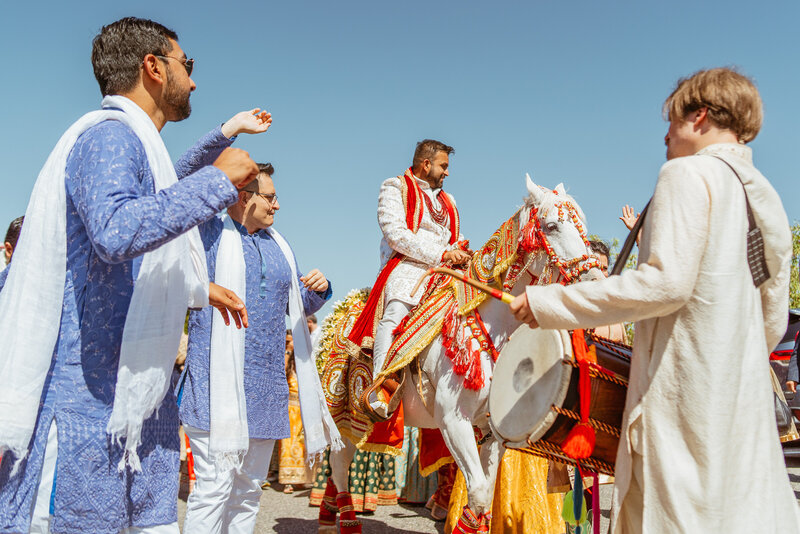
365	324
433	452
455	222
411	200
389	432
580	441
189	459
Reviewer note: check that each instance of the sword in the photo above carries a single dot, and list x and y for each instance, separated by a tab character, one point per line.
496	293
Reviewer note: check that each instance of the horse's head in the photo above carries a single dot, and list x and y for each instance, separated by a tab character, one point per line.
553	236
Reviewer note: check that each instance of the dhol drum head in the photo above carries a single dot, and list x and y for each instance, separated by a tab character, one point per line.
528	379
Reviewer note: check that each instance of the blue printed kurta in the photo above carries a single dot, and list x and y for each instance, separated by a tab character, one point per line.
114	216
267	288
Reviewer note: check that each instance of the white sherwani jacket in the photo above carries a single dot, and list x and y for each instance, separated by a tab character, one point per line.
699	450
423	250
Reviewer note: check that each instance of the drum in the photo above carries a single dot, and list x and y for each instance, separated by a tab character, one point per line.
533	402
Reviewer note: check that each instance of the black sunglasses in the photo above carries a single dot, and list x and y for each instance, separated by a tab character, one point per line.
188	64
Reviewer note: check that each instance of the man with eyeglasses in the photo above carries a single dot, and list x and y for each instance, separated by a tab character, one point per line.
233	424
92	307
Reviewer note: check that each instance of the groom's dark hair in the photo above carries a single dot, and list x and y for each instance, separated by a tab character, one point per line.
119	49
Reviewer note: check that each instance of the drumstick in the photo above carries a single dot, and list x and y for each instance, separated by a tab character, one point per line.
496	293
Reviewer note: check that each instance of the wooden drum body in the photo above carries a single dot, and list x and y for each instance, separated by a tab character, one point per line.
533	402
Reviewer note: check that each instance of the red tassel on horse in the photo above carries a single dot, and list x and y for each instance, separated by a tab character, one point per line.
474	378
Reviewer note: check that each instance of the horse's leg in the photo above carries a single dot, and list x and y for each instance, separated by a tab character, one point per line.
460	440
340	475
491	455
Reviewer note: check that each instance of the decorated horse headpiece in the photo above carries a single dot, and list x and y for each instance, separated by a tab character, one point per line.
533	237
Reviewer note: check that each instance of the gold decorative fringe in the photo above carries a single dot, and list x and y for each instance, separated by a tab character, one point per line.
441	462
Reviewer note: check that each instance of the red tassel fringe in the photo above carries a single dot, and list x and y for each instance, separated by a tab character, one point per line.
457	347
474	378
399	329
580	442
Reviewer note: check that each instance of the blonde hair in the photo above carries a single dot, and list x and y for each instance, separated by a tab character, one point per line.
731	98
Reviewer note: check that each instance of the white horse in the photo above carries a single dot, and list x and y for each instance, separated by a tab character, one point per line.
556	252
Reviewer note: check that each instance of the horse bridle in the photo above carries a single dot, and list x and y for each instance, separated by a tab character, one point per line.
533	238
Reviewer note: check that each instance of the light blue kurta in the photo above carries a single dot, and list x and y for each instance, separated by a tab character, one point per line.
113	218
268	280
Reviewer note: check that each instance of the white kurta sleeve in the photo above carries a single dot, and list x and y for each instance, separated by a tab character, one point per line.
392	220
674	233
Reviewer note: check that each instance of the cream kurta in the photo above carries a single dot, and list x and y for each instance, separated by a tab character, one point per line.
700	450
423	250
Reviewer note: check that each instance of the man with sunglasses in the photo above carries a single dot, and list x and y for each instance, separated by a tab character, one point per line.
244	252
92	307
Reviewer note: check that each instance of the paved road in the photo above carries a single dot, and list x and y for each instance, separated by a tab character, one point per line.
290	514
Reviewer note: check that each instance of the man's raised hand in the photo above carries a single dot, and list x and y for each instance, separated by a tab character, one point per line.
237	166
628	216
226	301
315	281
250	122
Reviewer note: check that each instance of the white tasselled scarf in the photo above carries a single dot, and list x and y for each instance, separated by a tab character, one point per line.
228	440
171	278
228	432
318	426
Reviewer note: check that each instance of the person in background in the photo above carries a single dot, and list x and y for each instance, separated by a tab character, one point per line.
314	330
614	332
12	235
292	470
793	376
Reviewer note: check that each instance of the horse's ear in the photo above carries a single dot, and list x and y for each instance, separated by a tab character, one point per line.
560	190
534	190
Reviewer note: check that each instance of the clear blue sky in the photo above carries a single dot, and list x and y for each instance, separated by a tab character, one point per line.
568	91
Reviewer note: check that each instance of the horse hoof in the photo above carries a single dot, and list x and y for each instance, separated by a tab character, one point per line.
327	529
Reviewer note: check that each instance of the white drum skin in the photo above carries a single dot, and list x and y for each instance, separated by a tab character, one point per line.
528	379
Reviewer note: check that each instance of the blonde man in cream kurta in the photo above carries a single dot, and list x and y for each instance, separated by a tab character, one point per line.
699	451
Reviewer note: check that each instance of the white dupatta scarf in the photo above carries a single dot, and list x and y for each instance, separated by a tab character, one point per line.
171	278
228	440
228	432
318	426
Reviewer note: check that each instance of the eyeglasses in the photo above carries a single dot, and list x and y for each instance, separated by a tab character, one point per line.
188	64
272	199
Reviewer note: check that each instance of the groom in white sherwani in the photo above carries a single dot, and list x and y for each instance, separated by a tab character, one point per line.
699	449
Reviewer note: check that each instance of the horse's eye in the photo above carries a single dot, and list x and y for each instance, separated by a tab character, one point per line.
550	227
